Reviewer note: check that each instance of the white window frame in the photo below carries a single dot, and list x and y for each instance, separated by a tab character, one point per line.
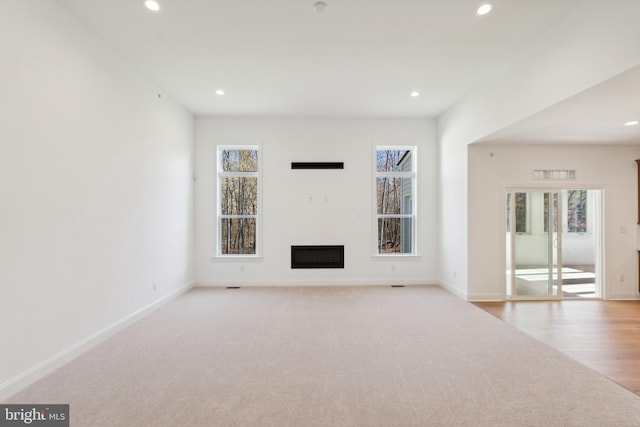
220	175
414	202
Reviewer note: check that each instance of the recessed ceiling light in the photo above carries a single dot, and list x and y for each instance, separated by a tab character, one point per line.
484	9
320	6
632	123
415	94
152	5
219	92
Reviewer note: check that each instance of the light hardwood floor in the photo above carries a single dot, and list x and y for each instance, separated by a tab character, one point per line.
604	335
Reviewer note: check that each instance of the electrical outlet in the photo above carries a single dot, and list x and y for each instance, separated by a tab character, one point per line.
155	286
622	277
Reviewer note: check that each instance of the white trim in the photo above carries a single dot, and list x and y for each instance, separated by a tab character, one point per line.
239	258
227	174
398	174
396	256
258	216
452	289
413	216
487	298
316	282
54	362
624	296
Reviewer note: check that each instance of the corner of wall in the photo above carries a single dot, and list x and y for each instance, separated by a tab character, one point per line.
452	289
45	367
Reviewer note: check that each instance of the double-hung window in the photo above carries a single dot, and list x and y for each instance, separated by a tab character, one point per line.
238	200
396	200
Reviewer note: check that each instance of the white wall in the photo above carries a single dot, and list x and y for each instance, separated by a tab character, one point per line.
452	215
493	168
587	47
95	186
290	218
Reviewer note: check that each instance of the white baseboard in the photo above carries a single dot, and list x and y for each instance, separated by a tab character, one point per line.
485	297
452	289
623	296
47	366
315	282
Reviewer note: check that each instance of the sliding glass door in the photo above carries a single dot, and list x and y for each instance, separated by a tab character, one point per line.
534	245
554	243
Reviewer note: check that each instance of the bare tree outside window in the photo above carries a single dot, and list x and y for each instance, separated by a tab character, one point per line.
577	211
238	201
521	212
395	175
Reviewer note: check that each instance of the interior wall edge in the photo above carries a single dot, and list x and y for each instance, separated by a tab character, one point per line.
452	289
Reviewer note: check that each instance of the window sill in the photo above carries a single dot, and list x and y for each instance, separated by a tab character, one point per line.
242	258
378	257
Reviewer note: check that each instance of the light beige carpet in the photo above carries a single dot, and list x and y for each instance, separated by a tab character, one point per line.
329	356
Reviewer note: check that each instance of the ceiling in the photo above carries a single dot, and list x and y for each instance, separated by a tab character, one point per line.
358	58
281	57
595	116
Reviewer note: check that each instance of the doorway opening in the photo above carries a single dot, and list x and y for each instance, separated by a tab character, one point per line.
553	241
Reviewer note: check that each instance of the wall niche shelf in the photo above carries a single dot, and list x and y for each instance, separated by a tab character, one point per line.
317	165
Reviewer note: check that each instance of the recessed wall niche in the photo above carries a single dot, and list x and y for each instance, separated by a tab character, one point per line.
317	165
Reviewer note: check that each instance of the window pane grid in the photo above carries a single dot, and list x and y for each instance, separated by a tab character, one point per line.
394	195
394	235
238	236
391	159
395	200
238	198
239	160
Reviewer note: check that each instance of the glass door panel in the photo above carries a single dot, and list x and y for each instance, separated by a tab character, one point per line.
534	244
581	222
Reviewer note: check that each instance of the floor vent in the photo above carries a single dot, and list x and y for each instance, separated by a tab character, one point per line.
317	256
397	286
233	287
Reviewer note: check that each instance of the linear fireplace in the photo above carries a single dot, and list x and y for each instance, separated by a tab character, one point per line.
317	256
